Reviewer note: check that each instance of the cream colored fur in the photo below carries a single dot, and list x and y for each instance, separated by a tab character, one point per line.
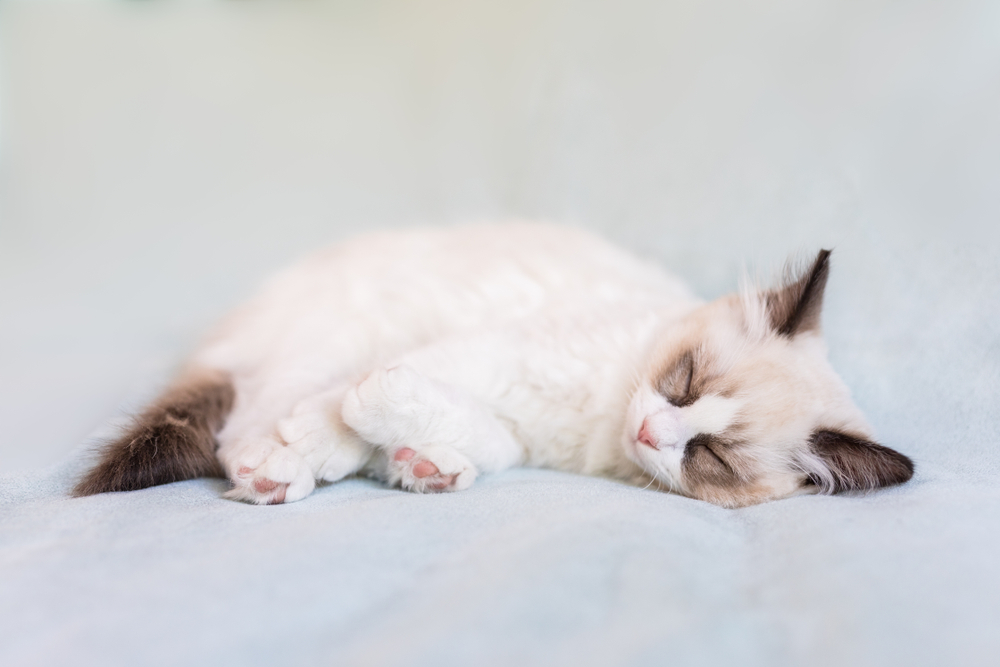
480	348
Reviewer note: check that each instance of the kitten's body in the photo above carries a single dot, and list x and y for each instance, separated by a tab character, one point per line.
427	357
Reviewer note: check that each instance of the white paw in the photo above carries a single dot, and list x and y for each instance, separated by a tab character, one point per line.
347	458
329	449
283	477
390	407
309	427
431	470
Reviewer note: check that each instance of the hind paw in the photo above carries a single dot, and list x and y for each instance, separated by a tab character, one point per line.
283	477
330	450
431	470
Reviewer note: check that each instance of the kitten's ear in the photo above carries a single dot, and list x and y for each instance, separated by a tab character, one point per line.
795	306
854	464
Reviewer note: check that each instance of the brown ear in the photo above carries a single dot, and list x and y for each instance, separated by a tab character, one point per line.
795	306
857	465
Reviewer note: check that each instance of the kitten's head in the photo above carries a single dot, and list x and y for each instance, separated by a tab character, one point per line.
741	406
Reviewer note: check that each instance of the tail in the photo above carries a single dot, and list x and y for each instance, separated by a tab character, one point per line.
172	440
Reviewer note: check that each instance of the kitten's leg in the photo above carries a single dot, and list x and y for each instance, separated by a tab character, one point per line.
283	465
436	437
316	432
260	467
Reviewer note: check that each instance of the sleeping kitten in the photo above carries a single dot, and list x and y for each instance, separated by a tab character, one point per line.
427	358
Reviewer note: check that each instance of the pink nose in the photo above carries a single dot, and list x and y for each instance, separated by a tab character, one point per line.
645	436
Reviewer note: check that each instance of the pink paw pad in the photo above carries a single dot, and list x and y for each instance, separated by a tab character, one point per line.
279	497
422	469
445	482
425	469
265	486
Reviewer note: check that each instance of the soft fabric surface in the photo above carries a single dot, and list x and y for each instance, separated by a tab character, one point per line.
159	159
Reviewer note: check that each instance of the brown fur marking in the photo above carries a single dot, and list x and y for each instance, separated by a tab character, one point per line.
172	440
703	463
796	307
859	465
678	383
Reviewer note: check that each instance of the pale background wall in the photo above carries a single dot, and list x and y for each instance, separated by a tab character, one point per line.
158	158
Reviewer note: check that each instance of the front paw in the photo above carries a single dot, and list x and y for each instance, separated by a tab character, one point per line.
431	470
388	407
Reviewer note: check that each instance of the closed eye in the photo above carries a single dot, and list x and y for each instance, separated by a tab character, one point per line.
680	394
719	459
704	441
687	382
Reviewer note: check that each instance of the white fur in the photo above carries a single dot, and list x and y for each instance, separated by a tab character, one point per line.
477	348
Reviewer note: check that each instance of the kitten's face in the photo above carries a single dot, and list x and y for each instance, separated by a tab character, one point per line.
740	405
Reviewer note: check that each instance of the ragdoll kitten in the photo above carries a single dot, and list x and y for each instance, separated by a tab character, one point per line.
425	358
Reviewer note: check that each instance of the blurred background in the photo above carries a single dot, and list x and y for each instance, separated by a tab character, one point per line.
158	158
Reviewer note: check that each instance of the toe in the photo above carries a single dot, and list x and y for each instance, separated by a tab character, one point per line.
404	454
279	497
425	469
265	485
444	483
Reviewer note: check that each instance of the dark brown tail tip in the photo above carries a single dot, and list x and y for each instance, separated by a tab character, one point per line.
173	440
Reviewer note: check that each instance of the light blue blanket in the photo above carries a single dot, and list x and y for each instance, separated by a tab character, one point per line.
159	159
